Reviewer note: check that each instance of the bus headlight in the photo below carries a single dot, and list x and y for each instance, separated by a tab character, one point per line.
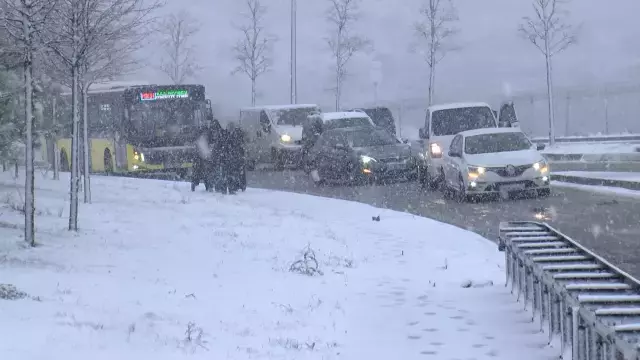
285	138
367	159
138	156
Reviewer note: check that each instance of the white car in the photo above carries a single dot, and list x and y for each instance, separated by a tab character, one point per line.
495	161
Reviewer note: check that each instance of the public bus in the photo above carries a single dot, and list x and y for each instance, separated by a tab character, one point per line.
137	128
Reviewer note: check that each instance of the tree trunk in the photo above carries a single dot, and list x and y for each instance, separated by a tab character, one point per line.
56	151
73	197
432	75
29	191
338	82
552	130
85	143
253	92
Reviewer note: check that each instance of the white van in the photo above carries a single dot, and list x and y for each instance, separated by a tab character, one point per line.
442	123
274	133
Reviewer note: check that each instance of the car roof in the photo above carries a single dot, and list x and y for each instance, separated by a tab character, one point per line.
486	131
280	107
450	106
352	129
328	116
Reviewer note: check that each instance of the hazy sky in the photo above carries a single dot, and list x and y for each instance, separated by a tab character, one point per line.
492	53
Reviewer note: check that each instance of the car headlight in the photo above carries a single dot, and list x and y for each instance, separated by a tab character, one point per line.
541	166
367	159
477	169
285	138
435	150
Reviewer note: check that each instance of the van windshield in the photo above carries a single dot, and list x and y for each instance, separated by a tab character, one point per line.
292	116
452	121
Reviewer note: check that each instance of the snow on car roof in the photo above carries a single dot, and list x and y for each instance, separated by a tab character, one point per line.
111	86
486	131
329	116
281	107
457	106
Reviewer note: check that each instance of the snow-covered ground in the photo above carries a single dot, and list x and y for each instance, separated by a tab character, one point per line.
605	175
592	148
158	272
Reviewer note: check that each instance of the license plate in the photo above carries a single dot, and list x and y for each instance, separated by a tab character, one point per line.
511	187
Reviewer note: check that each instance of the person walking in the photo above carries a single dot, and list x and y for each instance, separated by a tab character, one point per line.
235	165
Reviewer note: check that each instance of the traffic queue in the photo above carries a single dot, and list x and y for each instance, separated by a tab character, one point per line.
466	150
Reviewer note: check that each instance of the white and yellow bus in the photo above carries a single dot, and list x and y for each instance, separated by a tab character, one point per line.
137	128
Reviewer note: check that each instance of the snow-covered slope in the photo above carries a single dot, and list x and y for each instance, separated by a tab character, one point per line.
158	272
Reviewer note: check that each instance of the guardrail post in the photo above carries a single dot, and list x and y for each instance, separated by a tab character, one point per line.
525	291
575	333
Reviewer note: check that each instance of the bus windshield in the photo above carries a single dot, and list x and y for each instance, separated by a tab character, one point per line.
452	121
292	116
164	117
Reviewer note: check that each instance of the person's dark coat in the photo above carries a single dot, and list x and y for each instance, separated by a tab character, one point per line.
206	159
235	165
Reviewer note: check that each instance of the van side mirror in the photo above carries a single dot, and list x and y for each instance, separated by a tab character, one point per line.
453	153
540	147
422	134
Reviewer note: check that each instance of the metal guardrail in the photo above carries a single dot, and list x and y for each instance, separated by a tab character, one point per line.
592	306
631	138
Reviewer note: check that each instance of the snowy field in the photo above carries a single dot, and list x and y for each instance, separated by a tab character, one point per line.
158	272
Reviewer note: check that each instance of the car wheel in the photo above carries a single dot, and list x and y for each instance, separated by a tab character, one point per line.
278	161
544	192
461	191
314	175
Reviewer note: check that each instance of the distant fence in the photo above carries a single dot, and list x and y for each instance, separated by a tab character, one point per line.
603	109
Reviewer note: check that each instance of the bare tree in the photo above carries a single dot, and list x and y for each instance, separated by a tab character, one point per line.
549	32
343	44
435	30
24	21
253	51
84	31
177	31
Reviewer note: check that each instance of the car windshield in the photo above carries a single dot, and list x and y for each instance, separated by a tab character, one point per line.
495	143
293	116
452	121
370	138
381	117
346	123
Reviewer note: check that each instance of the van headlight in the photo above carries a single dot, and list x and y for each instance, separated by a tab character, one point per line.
285	138
477	169
435	150
366	159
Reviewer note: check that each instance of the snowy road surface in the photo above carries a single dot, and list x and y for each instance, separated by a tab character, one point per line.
158	272
607	223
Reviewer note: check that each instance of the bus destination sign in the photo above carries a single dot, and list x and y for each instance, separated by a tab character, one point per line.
164	94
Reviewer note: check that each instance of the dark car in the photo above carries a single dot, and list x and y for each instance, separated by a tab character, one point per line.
360	154
382	117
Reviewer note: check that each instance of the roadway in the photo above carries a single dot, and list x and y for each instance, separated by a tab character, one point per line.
609	225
